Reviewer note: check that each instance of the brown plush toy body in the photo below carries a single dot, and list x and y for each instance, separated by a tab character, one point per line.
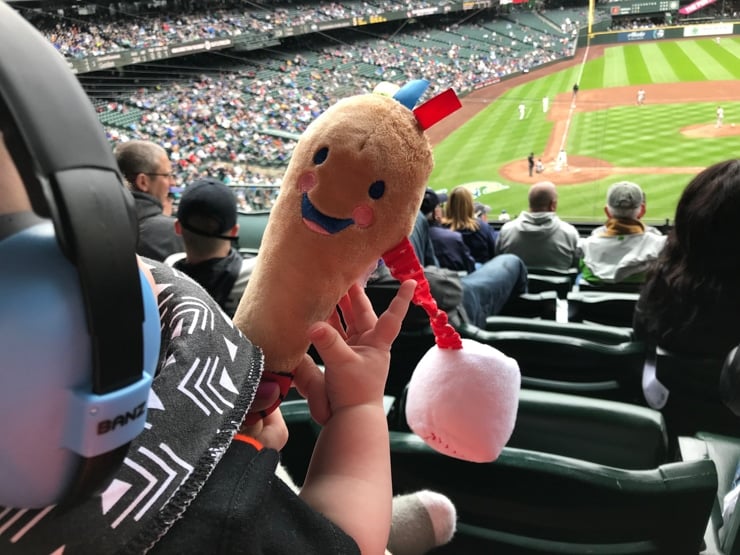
350	197
351	192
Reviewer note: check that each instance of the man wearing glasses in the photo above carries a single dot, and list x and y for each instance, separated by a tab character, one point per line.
148	172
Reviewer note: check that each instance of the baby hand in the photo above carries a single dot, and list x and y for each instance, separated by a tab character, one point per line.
356	357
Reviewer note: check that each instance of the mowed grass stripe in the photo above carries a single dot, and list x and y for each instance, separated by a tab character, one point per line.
724	54
681	61
636	68
708	59
660	68
615	70
732	46
593	73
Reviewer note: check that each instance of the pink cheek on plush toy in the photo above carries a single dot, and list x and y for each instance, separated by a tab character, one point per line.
363	216
306	182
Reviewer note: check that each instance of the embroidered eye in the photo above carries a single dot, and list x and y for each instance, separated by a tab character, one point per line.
376	190
321	155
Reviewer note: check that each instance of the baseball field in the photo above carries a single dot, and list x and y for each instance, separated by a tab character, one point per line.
606	134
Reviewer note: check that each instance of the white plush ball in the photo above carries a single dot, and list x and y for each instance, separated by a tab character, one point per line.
464	402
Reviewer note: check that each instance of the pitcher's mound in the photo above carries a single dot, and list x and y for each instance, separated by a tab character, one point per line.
710	130
581	169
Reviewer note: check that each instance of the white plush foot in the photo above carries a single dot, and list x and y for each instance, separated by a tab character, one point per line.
421	521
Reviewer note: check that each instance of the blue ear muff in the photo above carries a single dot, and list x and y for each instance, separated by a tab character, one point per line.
79	325
49	418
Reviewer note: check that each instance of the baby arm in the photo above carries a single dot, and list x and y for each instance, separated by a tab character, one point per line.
349	478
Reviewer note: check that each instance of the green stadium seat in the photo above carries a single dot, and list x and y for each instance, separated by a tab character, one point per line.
615	434
595	361
623	287
611	335
561	284
567	364
251	228
533	502
533	305
694	403
596	430
544	501
602	307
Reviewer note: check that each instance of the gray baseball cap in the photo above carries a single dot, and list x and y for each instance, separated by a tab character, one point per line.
625	195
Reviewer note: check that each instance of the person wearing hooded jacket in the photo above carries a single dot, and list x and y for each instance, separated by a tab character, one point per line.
538	236
624	248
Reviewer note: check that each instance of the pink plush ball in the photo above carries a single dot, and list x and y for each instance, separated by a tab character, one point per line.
463	402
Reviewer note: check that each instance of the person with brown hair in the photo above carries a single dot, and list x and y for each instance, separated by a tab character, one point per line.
477	234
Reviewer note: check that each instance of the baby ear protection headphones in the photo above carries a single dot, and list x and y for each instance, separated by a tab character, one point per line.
79	325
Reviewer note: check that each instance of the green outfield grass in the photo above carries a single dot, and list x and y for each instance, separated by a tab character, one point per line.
626	136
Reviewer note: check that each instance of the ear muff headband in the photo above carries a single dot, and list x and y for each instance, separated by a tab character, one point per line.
71	176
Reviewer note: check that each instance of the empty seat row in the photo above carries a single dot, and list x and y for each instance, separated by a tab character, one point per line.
578	476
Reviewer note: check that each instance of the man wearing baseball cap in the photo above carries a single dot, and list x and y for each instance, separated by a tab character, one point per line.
207	222
624	248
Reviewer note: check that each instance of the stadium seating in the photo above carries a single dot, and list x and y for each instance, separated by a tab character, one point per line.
604	307
539	282
694	403
569	364
596	361
611	335
604	432
251	228
622	287
533	305
534	502
595	430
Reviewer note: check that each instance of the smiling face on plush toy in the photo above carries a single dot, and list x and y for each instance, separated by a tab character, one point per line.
360	169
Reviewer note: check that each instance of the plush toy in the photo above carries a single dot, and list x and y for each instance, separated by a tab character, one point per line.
349	197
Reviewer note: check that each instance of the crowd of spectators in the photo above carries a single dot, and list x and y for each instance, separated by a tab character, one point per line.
238	122
137	26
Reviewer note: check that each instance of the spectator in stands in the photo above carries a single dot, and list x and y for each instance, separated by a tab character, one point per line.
691	299
207	222
479	237
622	250
449	247
484	291
421	240
481	211
148	173
538	236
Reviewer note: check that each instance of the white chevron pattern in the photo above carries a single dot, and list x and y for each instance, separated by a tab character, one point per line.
162	472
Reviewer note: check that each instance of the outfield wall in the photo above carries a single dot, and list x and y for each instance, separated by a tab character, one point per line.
622	36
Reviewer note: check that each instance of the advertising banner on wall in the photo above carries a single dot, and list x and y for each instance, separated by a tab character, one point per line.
647	34
694	6
709	30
